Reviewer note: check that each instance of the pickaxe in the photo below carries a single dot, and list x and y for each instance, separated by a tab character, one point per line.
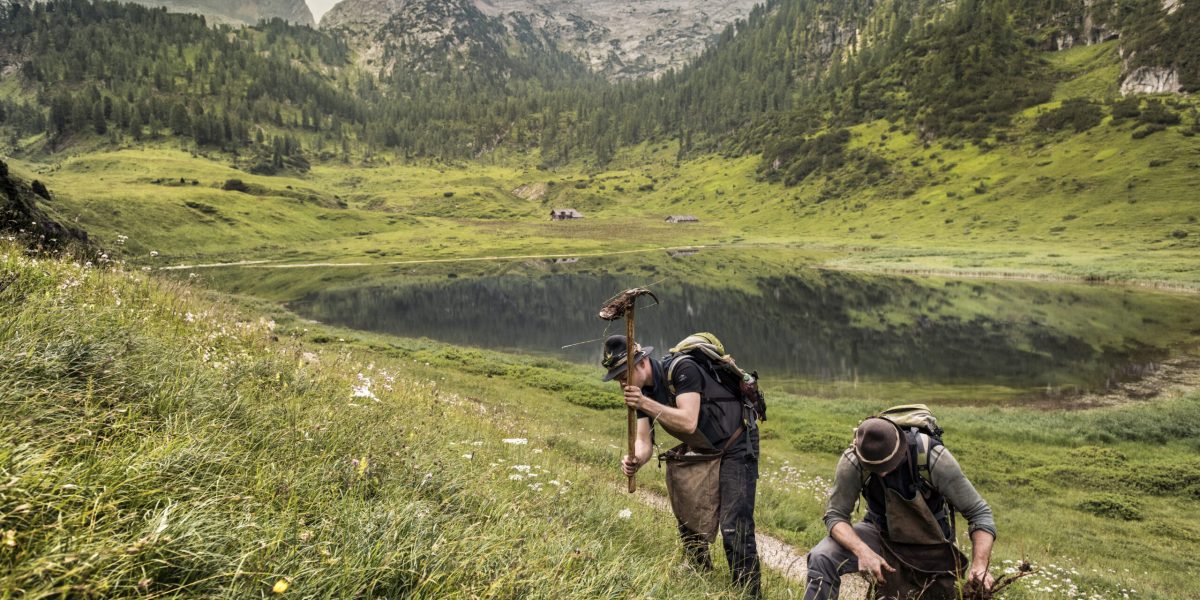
622	305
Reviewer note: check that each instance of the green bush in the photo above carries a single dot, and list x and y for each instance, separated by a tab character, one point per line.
820	442
235	185
1129	108
1098	456
1146	131
600	400
1111	506
1080	115
1157	113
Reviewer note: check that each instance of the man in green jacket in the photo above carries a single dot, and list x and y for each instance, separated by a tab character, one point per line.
905	543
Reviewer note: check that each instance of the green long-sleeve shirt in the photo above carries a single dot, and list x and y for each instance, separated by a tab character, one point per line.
947	478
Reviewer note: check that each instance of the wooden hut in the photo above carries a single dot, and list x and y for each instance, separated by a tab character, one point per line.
562	214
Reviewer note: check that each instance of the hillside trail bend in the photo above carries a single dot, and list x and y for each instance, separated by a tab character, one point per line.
775	554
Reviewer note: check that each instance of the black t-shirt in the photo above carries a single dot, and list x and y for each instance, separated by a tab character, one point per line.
720	409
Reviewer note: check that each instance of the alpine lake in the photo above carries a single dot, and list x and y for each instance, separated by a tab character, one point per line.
805	330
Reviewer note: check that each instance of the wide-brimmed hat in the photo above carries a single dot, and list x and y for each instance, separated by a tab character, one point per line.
879	445
616	355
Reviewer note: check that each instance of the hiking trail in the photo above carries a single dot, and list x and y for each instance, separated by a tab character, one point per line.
777	555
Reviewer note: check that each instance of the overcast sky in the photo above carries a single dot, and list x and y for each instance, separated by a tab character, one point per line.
320	7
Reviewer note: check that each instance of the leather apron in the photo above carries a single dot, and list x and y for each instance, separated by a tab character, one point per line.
927	565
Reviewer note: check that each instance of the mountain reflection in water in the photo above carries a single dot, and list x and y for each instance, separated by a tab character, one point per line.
816	325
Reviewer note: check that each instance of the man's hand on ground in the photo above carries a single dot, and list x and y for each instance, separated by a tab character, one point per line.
630	465
982	577
873	564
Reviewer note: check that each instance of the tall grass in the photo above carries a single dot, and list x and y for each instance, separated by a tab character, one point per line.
153	444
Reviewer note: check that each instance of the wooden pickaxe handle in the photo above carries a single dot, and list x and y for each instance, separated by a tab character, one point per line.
631	417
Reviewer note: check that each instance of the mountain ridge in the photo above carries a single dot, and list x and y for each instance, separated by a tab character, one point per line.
613	38
241	12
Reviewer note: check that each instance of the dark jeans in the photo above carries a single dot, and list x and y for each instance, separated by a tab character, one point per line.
829	560
739	479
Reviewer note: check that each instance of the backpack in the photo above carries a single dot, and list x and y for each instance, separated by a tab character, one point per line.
914	420
709	353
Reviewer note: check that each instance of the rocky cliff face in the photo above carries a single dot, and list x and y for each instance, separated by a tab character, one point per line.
241	12
624	39
424	35
1151	80
618	38
1081	23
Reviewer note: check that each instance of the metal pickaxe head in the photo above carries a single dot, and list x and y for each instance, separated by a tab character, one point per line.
620	304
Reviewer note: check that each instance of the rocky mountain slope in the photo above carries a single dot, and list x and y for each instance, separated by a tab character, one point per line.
625	40
241	12
619	39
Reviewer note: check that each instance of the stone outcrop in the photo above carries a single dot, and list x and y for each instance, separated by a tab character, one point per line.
1171	6
1151	80
24	215
1084	24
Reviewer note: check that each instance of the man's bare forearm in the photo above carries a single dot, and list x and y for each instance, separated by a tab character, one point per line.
845	535
981	548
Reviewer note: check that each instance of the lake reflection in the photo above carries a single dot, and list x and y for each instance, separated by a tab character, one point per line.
830	326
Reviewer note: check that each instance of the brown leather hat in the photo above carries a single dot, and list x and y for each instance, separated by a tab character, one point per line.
879	445
616	351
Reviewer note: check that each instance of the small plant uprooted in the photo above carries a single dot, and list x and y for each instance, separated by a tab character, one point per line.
973	590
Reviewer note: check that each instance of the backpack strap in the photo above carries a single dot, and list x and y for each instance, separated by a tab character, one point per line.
671	373
704	373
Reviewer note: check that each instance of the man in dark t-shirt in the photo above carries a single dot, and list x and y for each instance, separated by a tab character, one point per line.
695	408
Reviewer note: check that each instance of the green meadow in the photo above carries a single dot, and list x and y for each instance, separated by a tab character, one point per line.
270	449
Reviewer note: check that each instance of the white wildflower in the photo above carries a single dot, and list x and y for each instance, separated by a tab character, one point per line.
625	513
515	441
363	390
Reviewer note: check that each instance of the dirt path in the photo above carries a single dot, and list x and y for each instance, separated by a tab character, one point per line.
777	555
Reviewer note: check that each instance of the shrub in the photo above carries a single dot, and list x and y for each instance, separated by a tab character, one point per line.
1098	456
595	399
1157	113
1149	129
235	185
820	442
39	188
1111	506
1077	114
1128	108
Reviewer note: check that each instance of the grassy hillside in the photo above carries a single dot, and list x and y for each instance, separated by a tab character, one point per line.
272	449
244	461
